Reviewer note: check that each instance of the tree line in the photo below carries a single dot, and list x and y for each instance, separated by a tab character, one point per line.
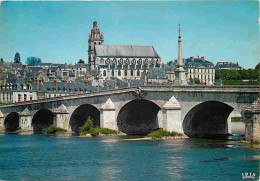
238	77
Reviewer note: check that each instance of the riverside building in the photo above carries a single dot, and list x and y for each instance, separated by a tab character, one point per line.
200	68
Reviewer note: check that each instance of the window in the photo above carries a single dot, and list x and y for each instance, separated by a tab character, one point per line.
132	73
119	72
138	72
125	72
25	97
19	97
104	73
113	73
31	98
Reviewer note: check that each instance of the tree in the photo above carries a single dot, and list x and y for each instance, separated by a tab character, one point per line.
81	61
33	60
17	58
195	80
257	66
2	61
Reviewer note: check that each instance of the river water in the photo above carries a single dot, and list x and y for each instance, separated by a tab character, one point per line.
42	157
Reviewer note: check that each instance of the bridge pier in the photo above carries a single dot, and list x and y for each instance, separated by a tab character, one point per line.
108	115
160	118
228	126
172	116
2	124
252	122
25	120
61	117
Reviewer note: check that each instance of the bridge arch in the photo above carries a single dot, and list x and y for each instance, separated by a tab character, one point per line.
42	118
11	121
138	117
80	115
207	120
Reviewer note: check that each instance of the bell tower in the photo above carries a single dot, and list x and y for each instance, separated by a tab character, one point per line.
95	38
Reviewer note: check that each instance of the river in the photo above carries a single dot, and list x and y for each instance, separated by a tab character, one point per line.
54	158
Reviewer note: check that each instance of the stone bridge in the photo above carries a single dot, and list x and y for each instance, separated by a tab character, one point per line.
197	111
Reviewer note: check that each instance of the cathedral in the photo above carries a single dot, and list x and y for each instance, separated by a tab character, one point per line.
120	61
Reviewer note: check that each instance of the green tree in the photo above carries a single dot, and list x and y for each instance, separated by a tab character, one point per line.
33	60
195	80
81	61
86	127
17	58
257	66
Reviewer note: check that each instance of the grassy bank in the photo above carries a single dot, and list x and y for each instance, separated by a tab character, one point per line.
88	128
237	119
160	133
99	131
53	130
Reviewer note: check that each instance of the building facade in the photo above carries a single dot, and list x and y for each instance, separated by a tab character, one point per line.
201	69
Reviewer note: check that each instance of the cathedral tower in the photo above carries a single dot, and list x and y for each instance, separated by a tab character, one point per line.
95	38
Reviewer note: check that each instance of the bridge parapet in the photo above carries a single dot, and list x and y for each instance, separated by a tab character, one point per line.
148	88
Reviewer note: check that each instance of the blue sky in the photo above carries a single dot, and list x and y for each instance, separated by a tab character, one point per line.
58	31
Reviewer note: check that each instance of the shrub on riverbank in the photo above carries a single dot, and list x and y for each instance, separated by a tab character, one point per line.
237	119
53	129
160	133
88	128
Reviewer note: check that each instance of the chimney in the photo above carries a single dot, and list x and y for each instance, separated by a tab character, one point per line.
192	58
55	84
37	84
27	81
203	59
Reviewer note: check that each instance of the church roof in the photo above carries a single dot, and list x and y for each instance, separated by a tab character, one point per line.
126	51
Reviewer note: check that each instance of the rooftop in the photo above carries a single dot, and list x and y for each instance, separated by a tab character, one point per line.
126	51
